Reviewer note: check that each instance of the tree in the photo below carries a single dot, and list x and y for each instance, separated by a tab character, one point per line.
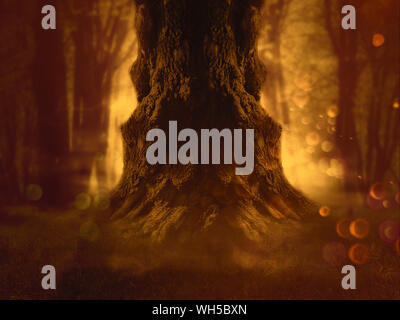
98	33
18	112
381	48
345	44
275	14
49	85
198	64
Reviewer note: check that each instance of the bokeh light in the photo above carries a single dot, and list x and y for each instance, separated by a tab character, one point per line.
83	201
389	231
327	146
300	99
89	231
343	228
378	191
397	197
306	120
359	228
334	253
312	138
387	204
304	82
34	192
378	40
359	253
396	104
373	203
101	201
324	211
332	111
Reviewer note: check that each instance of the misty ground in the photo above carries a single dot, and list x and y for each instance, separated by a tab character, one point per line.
89	267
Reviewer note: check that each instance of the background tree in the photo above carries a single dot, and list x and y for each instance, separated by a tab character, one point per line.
345	44
274	14
99	31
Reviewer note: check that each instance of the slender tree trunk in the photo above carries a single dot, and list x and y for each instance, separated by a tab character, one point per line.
198	64
49	76
345	44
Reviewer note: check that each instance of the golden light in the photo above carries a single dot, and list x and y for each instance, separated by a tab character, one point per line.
305	120
101	201
312	138
378	40
89	231
83	201
389	231
332	111
304	82
359	228
343	228
397	197
327	146
34	192
359	253
396	104
377	191
324	211
387	204
300	99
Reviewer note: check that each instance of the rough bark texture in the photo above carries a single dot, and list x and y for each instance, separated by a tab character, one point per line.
197	64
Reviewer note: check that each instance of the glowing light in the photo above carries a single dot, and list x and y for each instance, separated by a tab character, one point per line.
378	40
359	253
397	197
305	120
300	99
89	231
324	211
320	125
397	246
387	204
101	201
331	130
331	121
396	104
334	253
34	192
377	191
389	231
83	201
359	228
332	111
323	164
310	150
327	146
343	228
304	82
373	203
312	138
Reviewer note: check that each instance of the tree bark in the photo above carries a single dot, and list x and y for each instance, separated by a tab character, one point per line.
197	64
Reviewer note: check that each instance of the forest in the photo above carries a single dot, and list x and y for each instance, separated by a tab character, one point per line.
66	93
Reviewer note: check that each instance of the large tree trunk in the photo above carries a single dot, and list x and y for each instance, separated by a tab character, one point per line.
197	64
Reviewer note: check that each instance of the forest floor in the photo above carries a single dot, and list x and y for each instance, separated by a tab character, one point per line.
31	237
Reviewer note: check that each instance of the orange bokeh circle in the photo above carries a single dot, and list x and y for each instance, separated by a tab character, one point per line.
378	39
359	253
324	211
342	228
359	228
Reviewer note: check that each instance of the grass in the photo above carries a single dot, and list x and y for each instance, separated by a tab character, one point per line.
88	267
